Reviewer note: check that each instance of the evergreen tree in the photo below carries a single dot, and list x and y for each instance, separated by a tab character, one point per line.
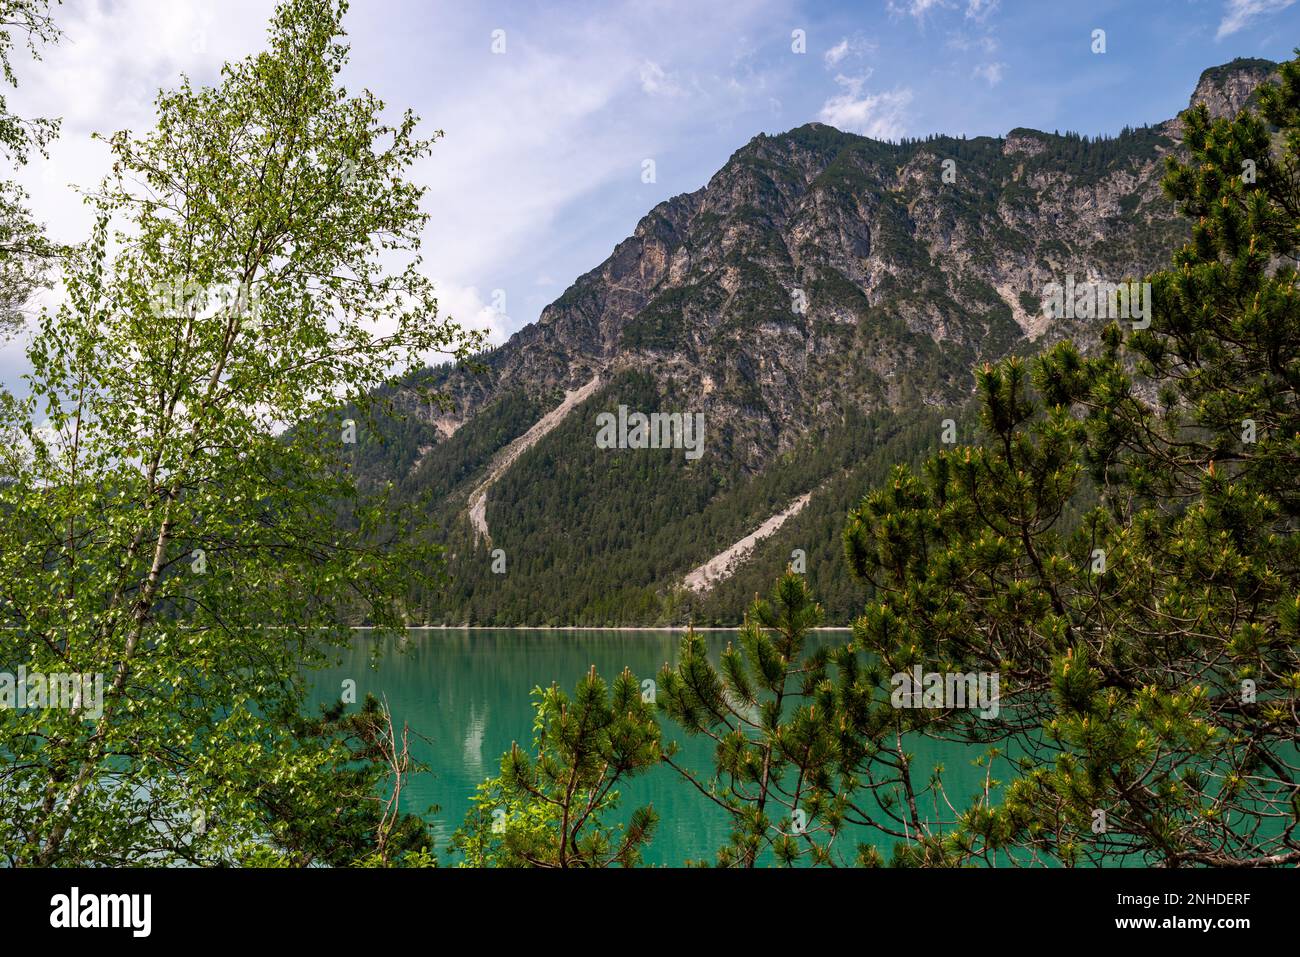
772	711
359	821
551	809
1149	657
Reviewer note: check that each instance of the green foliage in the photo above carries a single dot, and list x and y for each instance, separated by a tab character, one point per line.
355	822
595	530
1149	655
769	709
551	808
606	538
838	462
158	532
608	535
810	757
665	323
25	254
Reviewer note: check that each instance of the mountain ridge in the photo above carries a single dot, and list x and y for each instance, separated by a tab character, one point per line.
818	279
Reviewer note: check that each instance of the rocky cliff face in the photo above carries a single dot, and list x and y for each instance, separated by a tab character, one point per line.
820	275
1228	89
818	268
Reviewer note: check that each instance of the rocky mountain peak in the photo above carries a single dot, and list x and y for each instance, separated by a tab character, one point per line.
1227	89
823	295
1027	142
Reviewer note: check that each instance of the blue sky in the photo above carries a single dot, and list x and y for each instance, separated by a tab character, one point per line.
539	174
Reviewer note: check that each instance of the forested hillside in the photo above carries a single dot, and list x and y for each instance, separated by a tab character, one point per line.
824	303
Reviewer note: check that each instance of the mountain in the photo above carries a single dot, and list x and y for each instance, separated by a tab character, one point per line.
1227	90
821	303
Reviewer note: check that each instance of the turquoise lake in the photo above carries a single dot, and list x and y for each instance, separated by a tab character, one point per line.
468	693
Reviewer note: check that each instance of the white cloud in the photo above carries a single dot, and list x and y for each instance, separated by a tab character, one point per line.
848	47
917	8
534	137
655	82
977	10
1238	14
559	118
522	144
882	116
467	306
837	53
102	76
990	73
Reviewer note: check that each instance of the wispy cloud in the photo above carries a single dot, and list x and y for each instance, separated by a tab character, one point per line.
1239	14
848	47
917	9
882	116
990	73
539	174
837	53
655	82
103	75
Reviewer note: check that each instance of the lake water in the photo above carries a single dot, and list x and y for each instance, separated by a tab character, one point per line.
468	693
